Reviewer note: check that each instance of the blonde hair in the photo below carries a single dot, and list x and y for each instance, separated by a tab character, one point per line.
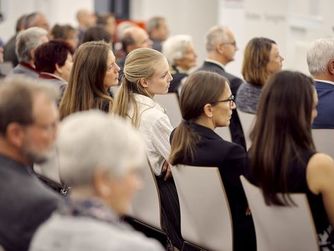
139	64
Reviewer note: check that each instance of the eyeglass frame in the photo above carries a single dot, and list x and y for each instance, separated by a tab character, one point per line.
230	99
234	43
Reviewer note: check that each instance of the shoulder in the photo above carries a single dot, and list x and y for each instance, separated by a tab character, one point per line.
231	150
319	172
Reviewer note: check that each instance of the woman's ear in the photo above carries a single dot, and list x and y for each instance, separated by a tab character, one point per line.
143	82
208	110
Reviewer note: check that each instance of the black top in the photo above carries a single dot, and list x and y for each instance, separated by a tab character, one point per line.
237	133
177	80
25	203
297	183
230	158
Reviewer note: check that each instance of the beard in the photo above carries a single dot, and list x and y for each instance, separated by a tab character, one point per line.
38	157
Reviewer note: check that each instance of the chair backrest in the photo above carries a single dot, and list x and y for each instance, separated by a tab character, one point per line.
323	140
146	202
205	213
224	132
281	228
247	122
170	103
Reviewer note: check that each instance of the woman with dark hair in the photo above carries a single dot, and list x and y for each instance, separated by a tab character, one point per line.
53	61
94	72
261	60
206	103
283	157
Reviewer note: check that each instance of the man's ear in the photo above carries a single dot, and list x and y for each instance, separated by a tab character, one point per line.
58	69
208	110
330	66
15	134
143	82
100	183
220	48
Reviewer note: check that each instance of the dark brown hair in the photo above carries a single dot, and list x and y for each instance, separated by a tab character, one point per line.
200	88
282	130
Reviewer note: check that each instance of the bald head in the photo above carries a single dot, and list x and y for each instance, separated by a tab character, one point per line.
135	37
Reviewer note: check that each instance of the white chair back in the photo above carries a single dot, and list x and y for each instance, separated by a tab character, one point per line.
247	122
281	228
224	132
170	103
324	140
146	202
205	213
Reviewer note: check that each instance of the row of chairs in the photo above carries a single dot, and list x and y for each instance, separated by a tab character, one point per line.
206	222
323	138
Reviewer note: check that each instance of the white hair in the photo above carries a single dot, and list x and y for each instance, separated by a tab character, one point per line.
175	47
216	34
92	139
319	54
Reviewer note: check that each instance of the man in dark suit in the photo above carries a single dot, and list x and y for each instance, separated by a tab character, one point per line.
320	60
28	125
221	48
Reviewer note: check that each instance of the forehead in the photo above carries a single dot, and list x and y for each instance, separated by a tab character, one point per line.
111	56
161	65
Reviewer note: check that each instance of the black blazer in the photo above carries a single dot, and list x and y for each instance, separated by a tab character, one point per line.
231	159
235	124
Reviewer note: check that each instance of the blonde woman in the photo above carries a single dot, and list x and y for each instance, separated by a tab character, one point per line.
146	73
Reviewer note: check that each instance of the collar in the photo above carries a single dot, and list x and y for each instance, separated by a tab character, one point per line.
47	75
29	66
216	63
324	81
147	101
204	131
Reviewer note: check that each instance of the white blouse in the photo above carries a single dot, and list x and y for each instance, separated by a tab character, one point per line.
156	128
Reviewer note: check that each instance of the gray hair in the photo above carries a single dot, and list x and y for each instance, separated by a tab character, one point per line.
92	139
27	40
215	35
175	47
17	98
319	54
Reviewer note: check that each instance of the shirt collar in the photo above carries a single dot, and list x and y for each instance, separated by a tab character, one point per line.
324	81
215	62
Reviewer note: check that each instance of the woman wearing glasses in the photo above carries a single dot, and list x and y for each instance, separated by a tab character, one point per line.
206	103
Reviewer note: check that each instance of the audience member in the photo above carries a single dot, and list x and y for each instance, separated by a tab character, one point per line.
26	43
181	56
102	184
146	73
86	19
28	126
108	22
158	31
66	33
283	157
96	33
261	60
221	47
94	71
206	102
9	48
36	19
53	61
320	60
133	38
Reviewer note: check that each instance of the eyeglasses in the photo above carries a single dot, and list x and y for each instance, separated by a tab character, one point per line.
230	99
234	43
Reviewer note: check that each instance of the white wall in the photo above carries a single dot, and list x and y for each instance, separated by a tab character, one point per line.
60	11
293	24
193	17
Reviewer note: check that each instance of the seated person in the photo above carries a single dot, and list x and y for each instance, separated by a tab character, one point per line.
181	56
206	102
283	157
261	60
102	183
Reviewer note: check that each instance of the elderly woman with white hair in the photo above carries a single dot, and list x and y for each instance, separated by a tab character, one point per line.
181	56
100	156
